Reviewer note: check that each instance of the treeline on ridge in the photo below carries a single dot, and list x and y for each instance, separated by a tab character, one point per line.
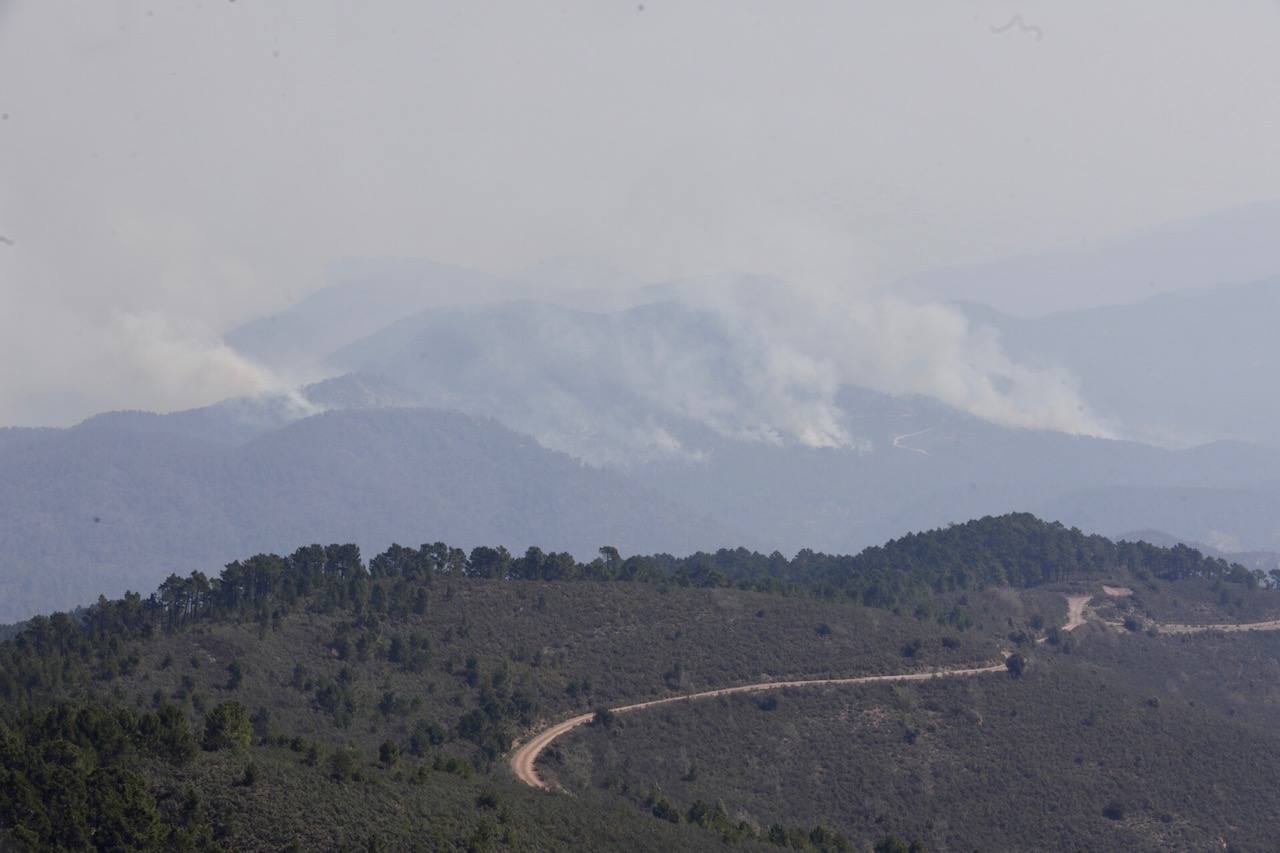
86	763
1017	550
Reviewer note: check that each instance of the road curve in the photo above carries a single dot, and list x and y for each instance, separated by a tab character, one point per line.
898	439
526	754
522	760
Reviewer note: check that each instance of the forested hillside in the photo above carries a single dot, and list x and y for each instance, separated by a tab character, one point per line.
318	701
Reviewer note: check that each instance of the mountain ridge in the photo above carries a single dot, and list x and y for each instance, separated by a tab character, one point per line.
109	507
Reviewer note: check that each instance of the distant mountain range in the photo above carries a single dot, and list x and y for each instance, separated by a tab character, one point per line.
365	298
127	497
122	500
665	424
593	385
1178	368
1234	245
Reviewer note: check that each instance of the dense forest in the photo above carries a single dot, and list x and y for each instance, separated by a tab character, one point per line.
215	712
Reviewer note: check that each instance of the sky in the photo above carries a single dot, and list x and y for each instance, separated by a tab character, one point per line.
171	169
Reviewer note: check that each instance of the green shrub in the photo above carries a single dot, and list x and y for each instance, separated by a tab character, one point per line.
227	726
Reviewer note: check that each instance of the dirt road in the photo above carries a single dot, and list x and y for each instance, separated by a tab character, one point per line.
898	439
522	760
526	754
1077	604
1230	627
1075	611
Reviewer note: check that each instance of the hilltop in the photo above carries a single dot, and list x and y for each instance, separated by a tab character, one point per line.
322	701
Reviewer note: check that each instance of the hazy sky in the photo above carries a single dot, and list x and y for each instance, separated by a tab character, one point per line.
168	169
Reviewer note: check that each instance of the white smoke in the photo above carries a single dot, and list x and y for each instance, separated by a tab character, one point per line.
150	352
799	345
189	168
734	357
120	360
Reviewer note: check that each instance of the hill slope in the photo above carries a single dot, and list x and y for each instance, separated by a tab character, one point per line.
1083	752
316	702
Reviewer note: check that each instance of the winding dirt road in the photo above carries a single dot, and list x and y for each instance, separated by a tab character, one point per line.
522	760
898	439
526	754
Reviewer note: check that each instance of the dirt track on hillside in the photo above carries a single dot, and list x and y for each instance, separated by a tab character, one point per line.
526	754
1230	627
522	760
1076	605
